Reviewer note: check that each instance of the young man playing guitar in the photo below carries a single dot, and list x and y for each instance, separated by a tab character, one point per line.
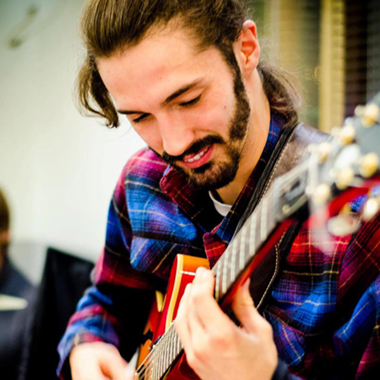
187	76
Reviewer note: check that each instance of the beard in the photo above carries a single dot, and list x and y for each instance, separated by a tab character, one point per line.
220	171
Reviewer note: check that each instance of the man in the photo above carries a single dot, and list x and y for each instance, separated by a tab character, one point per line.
187	76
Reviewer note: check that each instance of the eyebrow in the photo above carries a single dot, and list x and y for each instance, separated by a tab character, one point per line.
169	99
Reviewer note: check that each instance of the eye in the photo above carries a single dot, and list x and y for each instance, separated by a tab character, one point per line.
191	102
140	118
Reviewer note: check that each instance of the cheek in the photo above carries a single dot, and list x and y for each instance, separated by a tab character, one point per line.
216	117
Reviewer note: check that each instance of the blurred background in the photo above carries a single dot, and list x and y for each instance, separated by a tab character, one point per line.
58	168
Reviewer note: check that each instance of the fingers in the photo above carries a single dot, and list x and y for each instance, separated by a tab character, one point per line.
199	316
247	314
181	322
129	372
113	366
97	361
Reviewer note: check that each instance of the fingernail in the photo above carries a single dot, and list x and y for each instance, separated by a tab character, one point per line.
205	274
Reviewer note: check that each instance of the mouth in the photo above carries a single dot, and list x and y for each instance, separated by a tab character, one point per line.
193	161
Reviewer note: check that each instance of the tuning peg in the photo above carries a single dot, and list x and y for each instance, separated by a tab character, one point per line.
359	111
323	151
312	148
321	194
370	209
344	178
369	165
370	115
346	134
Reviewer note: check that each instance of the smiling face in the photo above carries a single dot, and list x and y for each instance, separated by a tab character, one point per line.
188	105
205	168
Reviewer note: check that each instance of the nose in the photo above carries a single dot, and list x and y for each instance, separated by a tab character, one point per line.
176	136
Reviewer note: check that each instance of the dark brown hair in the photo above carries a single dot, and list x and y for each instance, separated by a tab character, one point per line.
110	26
4	224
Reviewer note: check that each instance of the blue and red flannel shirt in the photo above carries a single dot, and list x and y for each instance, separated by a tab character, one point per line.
324	307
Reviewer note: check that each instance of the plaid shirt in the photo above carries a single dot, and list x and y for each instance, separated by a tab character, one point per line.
324	308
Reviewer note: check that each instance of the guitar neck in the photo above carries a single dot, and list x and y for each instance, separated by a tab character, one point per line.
284	198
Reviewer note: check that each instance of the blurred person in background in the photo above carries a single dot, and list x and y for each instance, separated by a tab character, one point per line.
16	302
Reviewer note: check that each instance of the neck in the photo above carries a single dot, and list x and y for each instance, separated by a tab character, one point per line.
255	141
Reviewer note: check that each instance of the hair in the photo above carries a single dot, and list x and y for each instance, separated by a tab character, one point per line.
4	224
111	26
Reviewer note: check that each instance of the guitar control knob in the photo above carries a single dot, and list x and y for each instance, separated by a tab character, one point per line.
370	209
344	178
347	134
369	165
370	115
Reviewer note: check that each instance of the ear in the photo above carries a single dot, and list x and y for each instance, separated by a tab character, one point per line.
247	48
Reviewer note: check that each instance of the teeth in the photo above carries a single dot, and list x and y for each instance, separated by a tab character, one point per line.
197	157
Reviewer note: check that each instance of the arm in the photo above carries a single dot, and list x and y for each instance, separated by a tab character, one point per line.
104	315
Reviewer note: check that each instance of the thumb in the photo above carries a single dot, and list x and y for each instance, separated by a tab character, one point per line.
113	366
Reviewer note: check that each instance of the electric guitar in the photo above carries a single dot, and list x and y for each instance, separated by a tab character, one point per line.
333	174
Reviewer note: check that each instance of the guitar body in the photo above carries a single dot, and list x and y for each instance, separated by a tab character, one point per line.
164	311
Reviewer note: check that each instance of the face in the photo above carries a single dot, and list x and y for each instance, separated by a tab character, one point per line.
188	105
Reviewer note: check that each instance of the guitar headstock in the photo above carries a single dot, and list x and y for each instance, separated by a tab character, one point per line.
349	159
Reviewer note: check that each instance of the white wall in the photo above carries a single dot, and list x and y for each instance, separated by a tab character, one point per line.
57	168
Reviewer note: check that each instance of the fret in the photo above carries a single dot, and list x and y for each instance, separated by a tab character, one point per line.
153	363
263	224
252	237
217	280
225	269
163	356
160	360
166	356
171	344
170	348
233	258
242	252
270	212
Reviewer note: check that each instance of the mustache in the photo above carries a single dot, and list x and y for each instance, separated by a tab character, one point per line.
195	148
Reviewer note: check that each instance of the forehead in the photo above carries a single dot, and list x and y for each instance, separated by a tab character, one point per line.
160	64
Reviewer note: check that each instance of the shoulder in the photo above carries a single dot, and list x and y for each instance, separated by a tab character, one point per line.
142	171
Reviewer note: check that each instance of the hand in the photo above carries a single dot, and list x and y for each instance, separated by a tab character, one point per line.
215	347
98	361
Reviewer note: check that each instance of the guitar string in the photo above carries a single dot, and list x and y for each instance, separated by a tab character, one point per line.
283	183
162	365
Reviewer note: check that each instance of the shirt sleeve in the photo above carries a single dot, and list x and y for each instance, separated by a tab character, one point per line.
358	337
115	308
